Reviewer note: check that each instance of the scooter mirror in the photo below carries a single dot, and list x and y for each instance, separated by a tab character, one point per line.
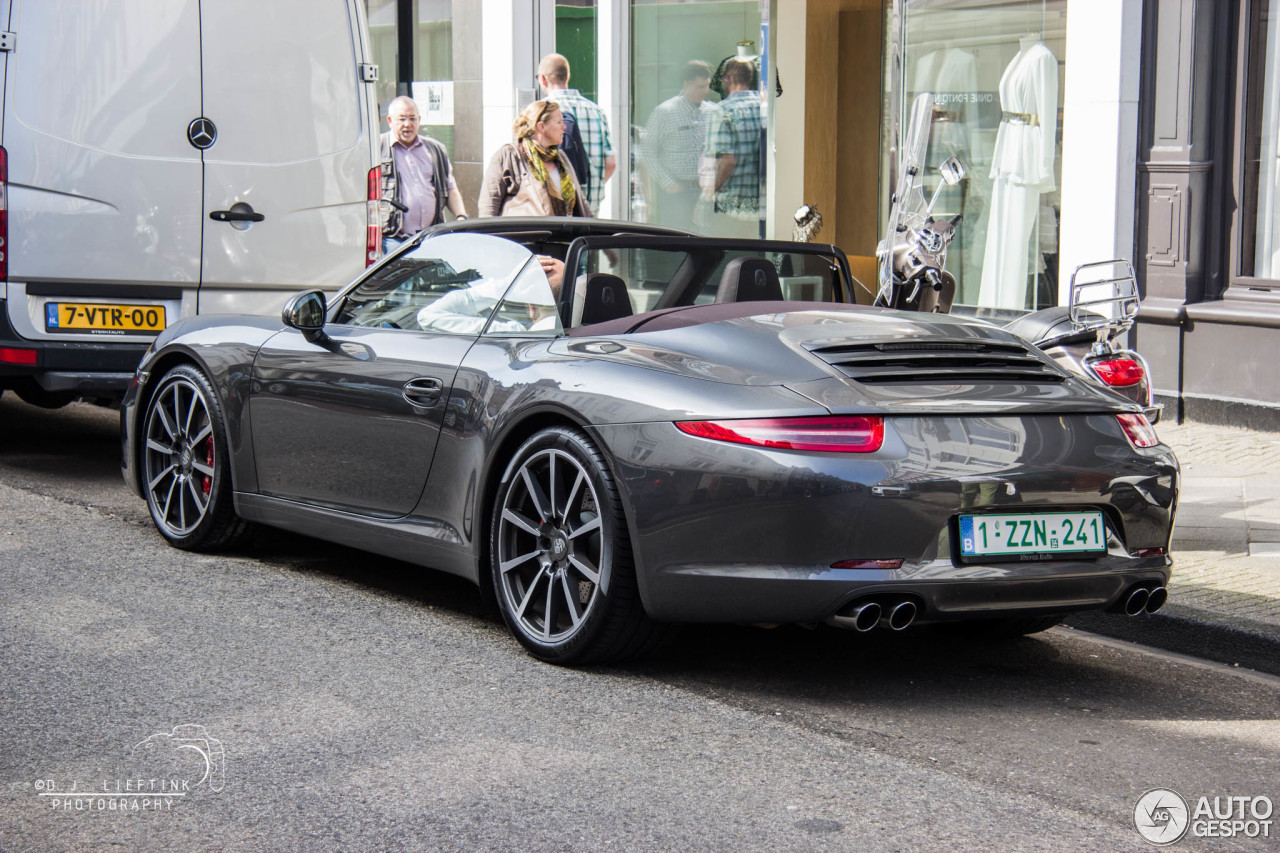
952	170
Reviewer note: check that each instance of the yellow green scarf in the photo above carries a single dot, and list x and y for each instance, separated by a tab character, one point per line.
538	158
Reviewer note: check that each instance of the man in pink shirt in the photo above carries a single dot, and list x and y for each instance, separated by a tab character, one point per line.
417	177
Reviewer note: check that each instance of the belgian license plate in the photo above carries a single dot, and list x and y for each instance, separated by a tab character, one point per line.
101	318
1034	535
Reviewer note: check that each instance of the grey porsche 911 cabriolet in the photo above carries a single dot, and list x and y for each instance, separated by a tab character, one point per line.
611	428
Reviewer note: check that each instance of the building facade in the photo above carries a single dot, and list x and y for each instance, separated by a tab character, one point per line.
1090	130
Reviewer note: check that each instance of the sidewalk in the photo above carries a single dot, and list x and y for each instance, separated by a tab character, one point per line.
1226	541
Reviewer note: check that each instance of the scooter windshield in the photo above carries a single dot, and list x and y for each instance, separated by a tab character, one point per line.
909	207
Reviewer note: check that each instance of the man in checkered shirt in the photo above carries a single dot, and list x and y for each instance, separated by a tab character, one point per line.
674	140
734	141
553	76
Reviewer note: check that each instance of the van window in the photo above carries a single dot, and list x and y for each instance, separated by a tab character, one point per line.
254	53
109	76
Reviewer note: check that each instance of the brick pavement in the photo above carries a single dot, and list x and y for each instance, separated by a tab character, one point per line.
1226	542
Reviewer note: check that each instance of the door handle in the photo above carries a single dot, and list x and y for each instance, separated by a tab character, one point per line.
239	212
423	391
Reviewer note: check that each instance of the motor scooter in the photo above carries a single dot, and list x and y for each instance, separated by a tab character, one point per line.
1084	336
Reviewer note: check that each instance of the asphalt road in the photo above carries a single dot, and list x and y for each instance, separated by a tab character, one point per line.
359	703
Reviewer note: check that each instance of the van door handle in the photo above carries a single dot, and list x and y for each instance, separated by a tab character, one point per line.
423	391
239	212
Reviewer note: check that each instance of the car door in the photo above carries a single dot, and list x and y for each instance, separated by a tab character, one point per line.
350	419
293	142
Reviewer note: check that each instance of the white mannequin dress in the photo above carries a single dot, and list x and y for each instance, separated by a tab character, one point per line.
1021	169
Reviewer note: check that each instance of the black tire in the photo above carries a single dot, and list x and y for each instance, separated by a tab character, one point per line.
1008	628
560	556
185	469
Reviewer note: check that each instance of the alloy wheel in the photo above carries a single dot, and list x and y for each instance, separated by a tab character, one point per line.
179	457
551	547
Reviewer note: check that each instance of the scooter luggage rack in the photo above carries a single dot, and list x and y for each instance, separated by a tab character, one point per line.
1114	307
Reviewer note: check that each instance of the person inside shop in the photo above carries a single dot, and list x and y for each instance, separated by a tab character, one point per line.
674	140
530	176
417	177
733	142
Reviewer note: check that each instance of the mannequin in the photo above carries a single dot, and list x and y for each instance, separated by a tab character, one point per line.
948	73
1021	169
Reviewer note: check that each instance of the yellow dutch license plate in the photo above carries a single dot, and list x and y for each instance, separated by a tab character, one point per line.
100	318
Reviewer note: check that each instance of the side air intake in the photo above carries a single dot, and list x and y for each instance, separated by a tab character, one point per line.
937	363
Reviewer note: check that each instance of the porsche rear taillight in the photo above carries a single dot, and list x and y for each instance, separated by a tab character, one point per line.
1119	372
825	434
1138	430
373	208
4	216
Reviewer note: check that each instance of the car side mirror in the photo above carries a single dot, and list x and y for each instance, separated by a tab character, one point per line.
306	312
952	170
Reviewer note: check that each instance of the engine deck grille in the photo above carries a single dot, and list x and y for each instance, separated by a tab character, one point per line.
937	363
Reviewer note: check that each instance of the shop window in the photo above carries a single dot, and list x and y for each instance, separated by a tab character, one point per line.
386	54
1260	255
698	115
995	71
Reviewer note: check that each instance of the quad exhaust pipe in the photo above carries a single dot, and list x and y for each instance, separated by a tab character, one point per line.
900	616
861	618
866	615
1142	599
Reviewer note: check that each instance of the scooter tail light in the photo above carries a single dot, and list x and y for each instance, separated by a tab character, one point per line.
1138	430
825	434
1119	372
373	209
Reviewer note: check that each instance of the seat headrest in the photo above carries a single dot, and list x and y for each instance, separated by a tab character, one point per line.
749	280
605	298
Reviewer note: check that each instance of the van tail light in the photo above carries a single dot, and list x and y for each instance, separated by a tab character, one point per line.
4	215
1139	430
17	356
826	434
373	208
1119	372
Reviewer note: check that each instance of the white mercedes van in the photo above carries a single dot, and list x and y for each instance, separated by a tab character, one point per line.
160	158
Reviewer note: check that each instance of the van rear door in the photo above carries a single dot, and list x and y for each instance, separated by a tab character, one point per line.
294	146
104	193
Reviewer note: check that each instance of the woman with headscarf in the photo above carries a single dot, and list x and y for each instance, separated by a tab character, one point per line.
530	176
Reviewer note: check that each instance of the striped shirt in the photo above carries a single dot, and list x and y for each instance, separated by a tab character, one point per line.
593	126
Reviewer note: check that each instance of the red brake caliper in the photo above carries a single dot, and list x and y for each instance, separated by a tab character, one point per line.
206	482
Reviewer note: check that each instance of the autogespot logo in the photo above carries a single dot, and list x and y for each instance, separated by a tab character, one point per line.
1161	816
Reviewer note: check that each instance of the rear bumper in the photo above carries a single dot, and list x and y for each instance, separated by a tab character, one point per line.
730	533
941	591
86	368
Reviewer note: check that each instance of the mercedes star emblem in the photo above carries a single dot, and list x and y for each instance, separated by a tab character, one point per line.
202	133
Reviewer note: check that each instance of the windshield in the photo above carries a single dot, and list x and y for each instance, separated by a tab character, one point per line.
449	283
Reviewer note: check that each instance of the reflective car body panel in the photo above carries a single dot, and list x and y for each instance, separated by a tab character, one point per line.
731	530
393	438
